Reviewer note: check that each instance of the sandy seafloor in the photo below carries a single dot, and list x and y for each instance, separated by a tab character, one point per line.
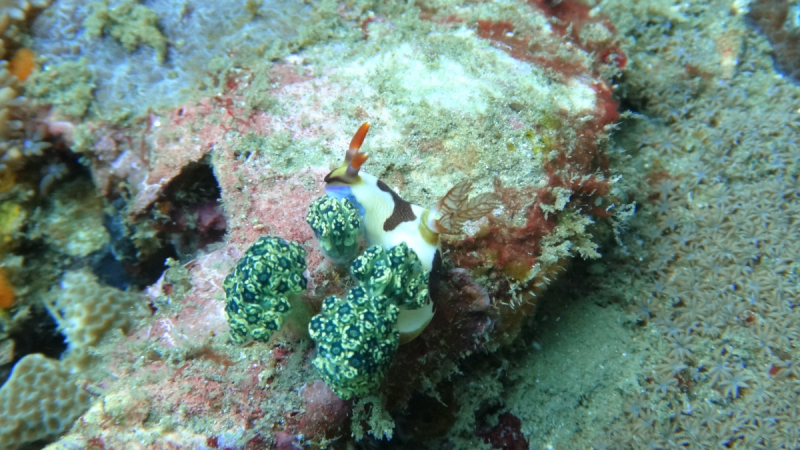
682	334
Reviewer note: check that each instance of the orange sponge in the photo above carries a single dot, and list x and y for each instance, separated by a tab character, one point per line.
22	64
6	291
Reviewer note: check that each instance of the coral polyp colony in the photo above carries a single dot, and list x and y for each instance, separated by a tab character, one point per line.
40	400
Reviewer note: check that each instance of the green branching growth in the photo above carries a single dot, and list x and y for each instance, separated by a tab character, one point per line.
336	224
259	290
357	337
396	274
356	341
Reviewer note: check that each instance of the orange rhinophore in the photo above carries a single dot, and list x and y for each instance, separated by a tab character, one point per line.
6	291
22	64
358	138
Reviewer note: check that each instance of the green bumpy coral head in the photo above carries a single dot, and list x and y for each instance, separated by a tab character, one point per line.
396	274
337	225
356	342
260	288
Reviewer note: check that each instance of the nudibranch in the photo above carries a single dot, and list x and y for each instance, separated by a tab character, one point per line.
388	220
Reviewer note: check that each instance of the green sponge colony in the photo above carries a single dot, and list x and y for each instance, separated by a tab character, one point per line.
396	274
356	341
337	226
259	288
357	337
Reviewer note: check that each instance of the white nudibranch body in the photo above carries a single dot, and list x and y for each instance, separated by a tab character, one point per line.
389	220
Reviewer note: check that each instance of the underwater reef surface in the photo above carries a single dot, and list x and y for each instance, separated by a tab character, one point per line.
635	285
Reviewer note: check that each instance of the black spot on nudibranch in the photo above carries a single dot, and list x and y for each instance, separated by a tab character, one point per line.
402	209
